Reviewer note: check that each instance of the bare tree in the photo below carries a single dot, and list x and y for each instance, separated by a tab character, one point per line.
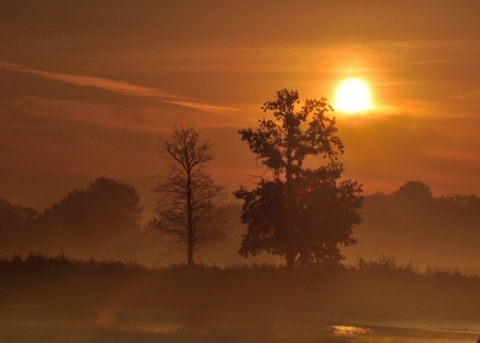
190	211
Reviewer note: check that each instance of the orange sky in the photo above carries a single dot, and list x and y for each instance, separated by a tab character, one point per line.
89	87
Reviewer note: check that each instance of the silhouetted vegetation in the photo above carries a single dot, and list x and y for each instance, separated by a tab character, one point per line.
302	214
380	288
100	220
410	224
190	211
18	227
413	225
95	220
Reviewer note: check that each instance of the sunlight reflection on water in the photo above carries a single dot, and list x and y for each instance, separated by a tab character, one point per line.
168	328
350	330
107	319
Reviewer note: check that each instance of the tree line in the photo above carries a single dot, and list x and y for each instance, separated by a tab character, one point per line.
301	212
100	220
414	225
408	223
298	213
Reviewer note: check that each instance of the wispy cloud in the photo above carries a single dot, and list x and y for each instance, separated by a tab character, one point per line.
119	87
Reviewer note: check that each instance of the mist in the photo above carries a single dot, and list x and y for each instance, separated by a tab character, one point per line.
410	225
374	239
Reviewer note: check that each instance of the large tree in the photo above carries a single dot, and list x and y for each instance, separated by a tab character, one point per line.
302	214
190	211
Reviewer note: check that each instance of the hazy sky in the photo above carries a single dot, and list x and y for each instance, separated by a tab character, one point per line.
88	87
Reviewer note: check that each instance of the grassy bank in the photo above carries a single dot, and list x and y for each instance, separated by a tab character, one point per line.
373	288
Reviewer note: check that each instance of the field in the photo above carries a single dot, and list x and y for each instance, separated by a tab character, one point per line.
46	299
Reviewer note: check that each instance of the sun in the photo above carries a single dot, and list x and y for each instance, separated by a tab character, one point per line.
353	96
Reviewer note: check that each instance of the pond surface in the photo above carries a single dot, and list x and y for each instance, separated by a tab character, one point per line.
52	325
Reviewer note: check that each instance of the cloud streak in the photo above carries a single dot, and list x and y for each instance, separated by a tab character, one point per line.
119	87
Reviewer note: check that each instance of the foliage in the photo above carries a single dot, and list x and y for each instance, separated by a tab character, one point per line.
17	224
12	216
373	288
190	210
299	213
105	204
88	220
411	223
414	190
385	265
61	263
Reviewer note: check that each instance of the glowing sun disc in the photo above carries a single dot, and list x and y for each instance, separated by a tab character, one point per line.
353	96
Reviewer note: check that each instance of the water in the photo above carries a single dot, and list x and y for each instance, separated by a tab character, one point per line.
53	324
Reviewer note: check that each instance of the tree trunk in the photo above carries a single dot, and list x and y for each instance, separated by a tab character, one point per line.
289	196
290	260
190	262
190	233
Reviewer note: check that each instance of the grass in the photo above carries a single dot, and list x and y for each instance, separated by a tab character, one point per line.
372	289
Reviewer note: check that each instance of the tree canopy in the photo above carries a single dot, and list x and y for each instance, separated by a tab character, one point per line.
17	226
299	212
86	221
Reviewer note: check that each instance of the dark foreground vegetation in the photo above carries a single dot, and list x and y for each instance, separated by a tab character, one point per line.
371	289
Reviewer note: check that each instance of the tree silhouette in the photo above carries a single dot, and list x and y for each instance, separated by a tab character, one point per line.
412	224
14	216
190	211
17	226
299	213
90	220
415	191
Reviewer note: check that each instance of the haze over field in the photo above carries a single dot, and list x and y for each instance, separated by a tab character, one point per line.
88	88
92	92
